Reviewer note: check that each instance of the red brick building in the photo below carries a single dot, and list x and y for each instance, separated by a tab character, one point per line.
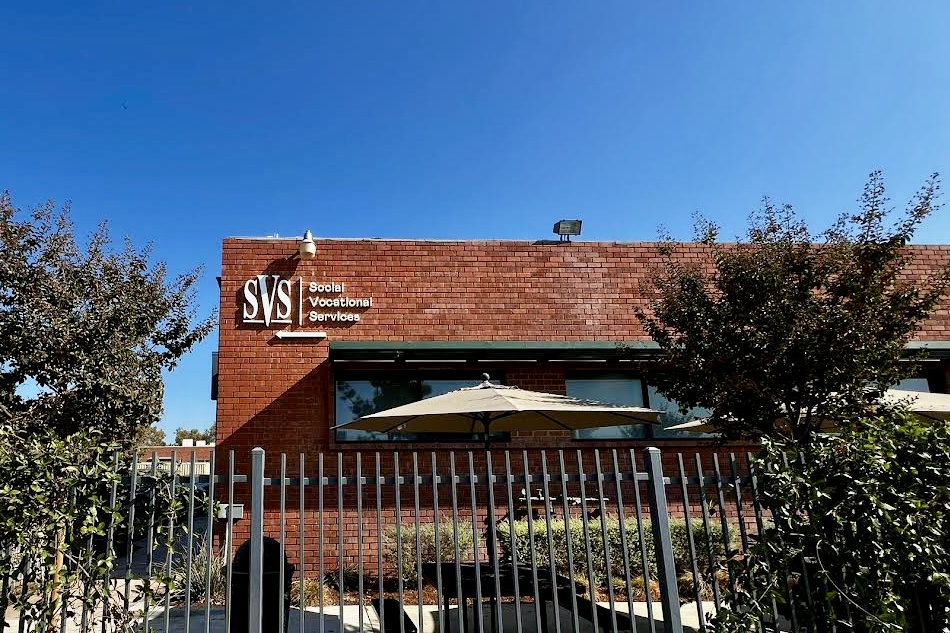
306	344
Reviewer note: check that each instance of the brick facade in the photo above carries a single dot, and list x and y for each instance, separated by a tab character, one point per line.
279	393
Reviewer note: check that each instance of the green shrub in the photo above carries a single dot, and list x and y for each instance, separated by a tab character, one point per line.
597	561
406	543
201	559
860	533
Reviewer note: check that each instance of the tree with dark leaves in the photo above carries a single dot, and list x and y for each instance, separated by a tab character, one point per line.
86	330
208	435
786	330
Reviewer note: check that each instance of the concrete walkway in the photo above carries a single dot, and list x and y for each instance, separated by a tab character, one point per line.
330	620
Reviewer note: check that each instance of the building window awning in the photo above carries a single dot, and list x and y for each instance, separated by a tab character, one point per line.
529	351
473	351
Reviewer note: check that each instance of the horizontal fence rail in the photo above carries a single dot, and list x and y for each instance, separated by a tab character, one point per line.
475	541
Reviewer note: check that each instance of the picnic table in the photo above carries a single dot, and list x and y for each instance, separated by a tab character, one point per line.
591	503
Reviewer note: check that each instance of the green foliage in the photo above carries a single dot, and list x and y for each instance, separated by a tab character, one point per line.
789	326
55	501
861	531
536	535
58	516
207	435
149	435
87	329
448	537
198	566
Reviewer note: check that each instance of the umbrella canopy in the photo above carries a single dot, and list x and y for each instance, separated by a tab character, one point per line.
924	404
489	408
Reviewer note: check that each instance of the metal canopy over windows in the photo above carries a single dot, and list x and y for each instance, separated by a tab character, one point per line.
492	350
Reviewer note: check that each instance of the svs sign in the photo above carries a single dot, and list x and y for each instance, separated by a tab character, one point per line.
273	300
267	300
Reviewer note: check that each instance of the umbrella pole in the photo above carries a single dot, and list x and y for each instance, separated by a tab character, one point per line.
490	541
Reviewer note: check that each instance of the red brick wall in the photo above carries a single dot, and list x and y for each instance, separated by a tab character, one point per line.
279	394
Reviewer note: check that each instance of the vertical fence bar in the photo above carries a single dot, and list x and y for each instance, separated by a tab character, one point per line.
110	533
418	525
170	539
256	574
737	486
568	537
532	546
339	532
228	545
693	555
209	535
549	529
320	551
724	523
644	559
5	587
812	608
707	529
399	569
589	555
513	540
441	617
25	591
283	539
64	610
379	537
760	526
598	471
359	535
129	534
659	516
492	541
460	598
301	574
622	521
189	554
473	492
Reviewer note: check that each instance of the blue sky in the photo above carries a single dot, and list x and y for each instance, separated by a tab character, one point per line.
184	123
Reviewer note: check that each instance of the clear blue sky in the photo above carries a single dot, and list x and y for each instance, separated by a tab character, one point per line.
183	123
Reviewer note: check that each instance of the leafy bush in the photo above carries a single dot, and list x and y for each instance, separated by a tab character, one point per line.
201	559
597	561
56	501
448	537
861	533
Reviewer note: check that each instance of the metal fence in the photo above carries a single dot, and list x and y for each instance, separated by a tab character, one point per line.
407	541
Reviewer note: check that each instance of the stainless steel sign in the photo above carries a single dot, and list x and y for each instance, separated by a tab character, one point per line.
273	300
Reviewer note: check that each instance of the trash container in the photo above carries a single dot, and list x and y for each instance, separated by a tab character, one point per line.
271	590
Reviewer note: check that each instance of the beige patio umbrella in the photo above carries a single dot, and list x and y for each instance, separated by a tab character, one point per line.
488	408
935	406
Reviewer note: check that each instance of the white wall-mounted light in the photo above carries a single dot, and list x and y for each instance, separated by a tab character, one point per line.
307	248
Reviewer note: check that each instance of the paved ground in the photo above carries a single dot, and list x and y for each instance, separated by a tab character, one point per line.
330	621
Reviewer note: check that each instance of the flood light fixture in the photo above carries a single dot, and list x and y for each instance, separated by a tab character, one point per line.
566	228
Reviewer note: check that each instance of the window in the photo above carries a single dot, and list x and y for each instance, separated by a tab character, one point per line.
630	391
612	389
673	416
913	384
361	394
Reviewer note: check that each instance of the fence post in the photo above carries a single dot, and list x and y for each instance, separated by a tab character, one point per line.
256	571
659	517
